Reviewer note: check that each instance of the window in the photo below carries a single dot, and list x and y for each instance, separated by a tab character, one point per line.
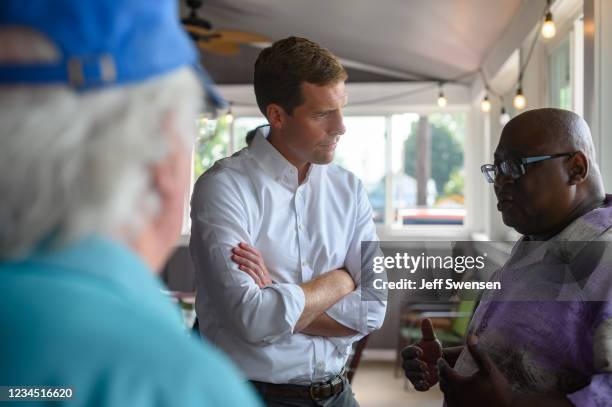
408	183
362	151
427	169
242	126
219	138
368	153
560	77
566	68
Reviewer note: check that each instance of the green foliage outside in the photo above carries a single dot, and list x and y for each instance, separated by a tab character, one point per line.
212	144
455	184
446	153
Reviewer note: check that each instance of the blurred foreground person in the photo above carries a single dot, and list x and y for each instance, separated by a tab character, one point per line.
98	101
545	339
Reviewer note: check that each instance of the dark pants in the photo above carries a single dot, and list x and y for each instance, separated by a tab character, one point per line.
345	398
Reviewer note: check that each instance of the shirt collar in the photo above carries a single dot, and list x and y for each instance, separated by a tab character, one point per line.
274	163
571	240
589	226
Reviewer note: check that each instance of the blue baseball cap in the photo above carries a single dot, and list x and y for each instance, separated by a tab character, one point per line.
102	42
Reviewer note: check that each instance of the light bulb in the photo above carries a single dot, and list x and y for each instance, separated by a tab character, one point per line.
485	105
548	28
442	100
229	117
504	117
519	101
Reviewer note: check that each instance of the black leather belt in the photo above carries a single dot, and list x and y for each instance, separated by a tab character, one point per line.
316	391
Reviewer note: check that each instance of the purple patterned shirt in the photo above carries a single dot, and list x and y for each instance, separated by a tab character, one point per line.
553	338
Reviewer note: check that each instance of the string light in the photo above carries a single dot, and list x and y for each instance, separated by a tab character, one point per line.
519	101
442	102
485	105
504	117
548	28
229	117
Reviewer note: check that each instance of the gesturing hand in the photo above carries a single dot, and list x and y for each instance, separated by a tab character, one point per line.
420	360
250	261
487	387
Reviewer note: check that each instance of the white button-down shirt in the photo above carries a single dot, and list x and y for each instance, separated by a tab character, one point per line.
302	231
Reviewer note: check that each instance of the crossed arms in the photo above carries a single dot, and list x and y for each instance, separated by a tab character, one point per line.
319	294
328	305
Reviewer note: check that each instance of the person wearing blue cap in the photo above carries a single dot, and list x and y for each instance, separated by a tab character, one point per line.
98	101
277	233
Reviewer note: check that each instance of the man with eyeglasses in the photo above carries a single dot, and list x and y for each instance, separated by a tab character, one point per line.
545	339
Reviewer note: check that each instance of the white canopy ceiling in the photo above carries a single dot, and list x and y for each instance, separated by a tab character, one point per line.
384	40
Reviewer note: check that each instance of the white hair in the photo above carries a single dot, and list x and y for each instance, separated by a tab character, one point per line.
77	164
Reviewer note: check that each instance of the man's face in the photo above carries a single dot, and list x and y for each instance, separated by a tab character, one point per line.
313	130
538	202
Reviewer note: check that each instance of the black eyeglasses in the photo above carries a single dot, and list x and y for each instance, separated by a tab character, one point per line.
515	168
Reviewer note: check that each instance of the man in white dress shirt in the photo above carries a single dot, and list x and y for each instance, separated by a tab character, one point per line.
276	238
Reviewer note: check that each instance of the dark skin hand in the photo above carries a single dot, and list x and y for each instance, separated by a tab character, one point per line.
420	361
488	386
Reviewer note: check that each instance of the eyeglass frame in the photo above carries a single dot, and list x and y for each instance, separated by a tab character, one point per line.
522	162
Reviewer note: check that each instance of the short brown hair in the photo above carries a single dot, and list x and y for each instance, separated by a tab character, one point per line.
281	69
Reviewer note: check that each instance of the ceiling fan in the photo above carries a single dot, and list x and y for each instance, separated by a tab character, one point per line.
222	42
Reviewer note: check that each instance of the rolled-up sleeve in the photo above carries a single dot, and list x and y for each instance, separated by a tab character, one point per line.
363	316
219	223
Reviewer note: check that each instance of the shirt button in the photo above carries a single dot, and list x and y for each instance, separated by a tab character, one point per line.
300	226
304	264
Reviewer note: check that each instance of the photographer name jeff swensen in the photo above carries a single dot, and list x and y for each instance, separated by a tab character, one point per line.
436	284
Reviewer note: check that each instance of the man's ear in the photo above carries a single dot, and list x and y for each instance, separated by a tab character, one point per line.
578	168
163	178
276	115
164	173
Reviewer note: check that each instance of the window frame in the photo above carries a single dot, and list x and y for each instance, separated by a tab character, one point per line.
387	230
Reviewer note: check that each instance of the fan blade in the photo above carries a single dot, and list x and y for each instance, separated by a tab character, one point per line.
201	33
219	47
241	37
196	22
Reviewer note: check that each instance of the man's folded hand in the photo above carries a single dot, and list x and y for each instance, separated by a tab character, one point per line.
250	261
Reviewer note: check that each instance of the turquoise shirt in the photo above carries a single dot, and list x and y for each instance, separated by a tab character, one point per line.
92	317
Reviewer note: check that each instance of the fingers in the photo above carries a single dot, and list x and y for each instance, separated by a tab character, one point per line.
248	263
248	248
448	375
419	379
415	369
243	261
247	255
253	275
484	362
412	352
427	330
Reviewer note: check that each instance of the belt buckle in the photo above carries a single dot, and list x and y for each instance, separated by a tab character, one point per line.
312	389
335	381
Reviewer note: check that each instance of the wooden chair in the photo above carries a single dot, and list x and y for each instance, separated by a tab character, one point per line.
355	358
